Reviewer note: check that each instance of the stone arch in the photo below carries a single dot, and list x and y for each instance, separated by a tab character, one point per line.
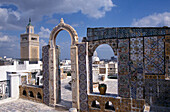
94	44
51	59
63	26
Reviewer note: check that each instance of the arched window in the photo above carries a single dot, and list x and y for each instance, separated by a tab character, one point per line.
39	95
105	69
109	106
95	104
31	94
24	93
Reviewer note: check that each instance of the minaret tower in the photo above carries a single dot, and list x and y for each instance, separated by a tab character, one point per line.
29	44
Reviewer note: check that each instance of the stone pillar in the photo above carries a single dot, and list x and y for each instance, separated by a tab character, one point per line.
52	77
75	77
58	80
14	85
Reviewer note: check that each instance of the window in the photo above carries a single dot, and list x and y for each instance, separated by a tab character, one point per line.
33	38
39	95
24	93
31	94
20	62
24	38
27	30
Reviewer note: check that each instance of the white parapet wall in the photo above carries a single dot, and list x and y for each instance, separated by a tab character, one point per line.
14	84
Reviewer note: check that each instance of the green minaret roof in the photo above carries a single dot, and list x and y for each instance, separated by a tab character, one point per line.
29	22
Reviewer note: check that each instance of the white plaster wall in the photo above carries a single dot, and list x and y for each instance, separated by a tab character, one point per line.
21	66
31	67
14	78
106	78
3	71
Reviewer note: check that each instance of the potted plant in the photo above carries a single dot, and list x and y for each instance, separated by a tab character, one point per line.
102	88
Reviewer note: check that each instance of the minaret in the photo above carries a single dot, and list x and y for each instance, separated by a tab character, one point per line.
29	44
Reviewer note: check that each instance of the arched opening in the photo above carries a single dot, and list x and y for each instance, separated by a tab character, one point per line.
109	106
31	94
24	93
39	96
54	65
95	104
105	69
63	42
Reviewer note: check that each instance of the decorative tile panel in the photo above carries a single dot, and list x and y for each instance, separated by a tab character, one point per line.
45	59
82	76
154	55
123	68
123	32
136	67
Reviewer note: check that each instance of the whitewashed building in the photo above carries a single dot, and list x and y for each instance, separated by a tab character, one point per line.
103	69
19	72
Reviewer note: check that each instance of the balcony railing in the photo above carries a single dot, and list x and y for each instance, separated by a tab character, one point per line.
34	93
4	89
110	103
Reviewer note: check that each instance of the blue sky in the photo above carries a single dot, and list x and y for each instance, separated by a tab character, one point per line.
80	14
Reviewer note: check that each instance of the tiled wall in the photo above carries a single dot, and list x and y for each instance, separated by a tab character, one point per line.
82	76
45	57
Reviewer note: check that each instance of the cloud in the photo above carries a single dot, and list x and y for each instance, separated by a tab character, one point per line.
44	32
156	19
38	9
9	46
4	38
9	19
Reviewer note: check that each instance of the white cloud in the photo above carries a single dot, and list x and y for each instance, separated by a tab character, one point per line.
44	32
38	9
8	19
9	46
4	38
156	19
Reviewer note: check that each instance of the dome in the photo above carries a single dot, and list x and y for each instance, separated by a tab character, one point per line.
96	59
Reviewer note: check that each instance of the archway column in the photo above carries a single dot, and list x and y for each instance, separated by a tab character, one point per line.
52	77
75	77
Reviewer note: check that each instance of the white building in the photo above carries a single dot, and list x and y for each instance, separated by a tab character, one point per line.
20	72
103	70
65	68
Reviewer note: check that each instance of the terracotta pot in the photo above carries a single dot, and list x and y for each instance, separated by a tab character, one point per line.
102	88
103	77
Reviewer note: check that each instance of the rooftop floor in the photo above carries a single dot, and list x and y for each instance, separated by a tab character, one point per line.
21	105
